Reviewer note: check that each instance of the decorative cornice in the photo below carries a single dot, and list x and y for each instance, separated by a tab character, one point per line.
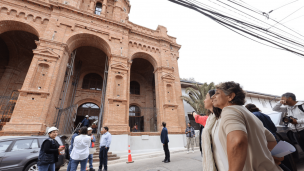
168	77
164	68
46	52
120	66
26	92
119	56
175	106
52	42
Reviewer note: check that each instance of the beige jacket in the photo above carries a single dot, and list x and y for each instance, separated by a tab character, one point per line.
235	118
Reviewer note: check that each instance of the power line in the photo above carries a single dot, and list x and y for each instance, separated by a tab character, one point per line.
294	19
235	24
286	17
282	6
281	25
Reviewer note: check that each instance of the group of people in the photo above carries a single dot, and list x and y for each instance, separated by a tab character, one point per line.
235	137
238	137
82	140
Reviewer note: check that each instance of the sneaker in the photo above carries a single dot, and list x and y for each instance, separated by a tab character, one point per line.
187	152
193	151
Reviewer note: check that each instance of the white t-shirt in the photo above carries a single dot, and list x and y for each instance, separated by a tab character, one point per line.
219	155
81	147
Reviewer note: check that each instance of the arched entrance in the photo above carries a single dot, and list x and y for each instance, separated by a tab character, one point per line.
86	76
90	109
16	54
142	91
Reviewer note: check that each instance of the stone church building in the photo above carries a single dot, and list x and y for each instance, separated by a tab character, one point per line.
63	59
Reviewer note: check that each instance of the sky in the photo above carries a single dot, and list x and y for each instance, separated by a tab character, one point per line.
212	53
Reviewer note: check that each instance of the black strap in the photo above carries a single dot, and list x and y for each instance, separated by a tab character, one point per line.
301	108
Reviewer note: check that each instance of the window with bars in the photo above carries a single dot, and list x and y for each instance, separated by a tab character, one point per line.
134	88
98	8
92	81
134	111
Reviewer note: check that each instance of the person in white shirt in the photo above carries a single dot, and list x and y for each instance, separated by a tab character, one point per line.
105	142
295	109
80	150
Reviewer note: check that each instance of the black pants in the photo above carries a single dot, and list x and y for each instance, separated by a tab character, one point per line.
167	152
301	139
103	158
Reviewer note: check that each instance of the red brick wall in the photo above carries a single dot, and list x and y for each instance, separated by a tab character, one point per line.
61	29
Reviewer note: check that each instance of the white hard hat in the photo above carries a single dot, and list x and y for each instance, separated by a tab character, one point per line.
87	116
90	129
52	129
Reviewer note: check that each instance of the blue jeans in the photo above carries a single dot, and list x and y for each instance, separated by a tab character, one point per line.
47	167
70	162
103	158
83	164
91	160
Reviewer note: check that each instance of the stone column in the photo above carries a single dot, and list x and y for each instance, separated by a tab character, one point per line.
116	103
104	7
36	106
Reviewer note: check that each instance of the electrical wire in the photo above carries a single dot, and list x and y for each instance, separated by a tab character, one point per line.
282	6
286	17
281	24
234	24
294	19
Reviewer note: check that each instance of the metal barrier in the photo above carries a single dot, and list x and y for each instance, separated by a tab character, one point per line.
7	106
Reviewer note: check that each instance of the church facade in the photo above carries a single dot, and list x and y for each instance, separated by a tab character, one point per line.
64	59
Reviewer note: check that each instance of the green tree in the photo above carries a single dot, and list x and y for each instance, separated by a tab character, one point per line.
196	96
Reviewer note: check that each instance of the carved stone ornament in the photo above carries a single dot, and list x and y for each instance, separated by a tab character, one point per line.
47	53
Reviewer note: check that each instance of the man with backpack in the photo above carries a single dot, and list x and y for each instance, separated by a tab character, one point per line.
295	115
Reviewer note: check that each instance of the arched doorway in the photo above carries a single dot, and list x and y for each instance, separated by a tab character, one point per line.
88	65
142	91
136	118
90	109
16	54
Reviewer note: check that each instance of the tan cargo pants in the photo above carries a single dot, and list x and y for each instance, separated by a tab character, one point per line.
190	141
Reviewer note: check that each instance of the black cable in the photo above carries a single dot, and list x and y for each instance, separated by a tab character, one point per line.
266	30
286	17
283	26
275	27
194	7
282	6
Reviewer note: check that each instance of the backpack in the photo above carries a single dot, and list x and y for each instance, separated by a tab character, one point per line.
301	108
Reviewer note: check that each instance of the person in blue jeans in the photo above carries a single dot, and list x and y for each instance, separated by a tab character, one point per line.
93	139
105	142
76	133
49	151
80	152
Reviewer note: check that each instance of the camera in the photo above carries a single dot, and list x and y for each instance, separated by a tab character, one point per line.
288	119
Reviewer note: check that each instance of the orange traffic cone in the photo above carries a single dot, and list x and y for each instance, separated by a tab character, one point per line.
129	156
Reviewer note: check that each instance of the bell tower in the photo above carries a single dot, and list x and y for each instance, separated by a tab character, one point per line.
113	9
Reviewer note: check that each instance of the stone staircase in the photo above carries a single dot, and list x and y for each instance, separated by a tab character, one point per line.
96	154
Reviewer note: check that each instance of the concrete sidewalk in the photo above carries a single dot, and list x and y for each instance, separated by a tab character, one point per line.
138	157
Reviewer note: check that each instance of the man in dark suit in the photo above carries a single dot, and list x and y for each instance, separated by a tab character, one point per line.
165	140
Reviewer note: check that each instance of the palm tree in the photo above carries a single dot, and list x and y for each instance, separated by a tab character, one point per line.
196	96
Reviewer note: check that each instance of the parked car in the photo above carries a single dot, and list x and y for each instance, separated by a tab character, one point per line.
20	153
284	133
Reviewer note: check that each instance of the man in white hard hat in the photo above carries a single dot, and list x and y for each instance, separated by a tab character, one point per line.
93	139
85	122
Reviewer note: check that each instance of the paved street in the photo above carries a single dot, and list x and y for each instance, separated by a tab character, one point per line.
179	162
